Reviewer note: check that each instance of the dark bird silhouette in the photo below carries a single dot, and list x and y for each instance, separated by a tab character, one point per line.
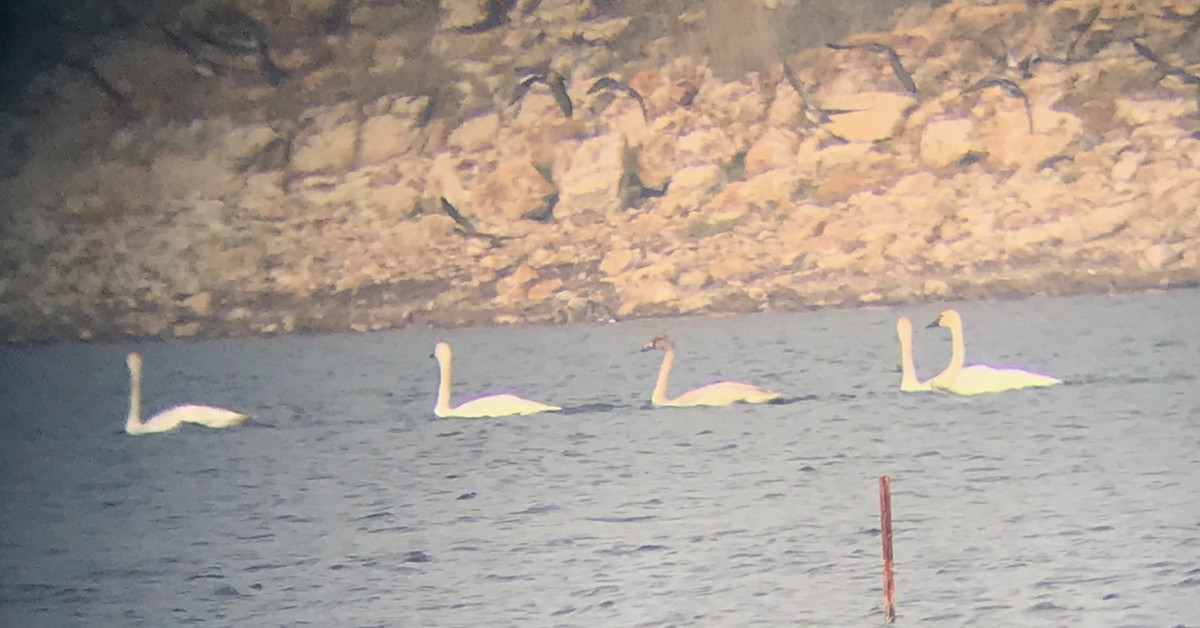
1164	67
223	37
464	226
815	114
557	84
905	77
1081	30
619	87
1009	87
497	15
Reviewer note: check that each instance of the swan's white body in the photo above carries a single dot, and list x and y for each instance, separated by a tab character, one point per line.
173	417
718	394
490	406
978	379
908	368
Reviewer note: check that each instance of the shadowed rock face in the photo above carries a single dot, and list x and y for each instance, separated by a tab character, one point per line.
921	161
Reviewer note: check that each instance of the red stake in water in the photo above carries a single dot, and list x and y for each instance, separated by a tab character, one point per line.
889	567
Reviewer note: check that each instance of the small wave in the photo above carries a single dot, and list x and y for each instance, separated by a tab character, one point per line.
634	519
537	510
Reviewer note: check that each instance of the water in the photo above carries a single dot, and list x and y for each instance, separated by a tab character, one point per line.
348	504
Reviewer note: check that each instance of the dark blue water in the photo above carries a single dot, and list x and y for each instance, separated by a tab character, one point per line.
347	504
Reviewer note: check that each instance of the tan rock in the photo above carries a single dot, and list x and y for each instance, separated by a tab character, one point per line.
656	160
947	142
457	14
475	134
616	261
590	179
705	146
1159	256
777	148
1005	135
646	292
385	137
543	290
876	115
691	186
200	303
935	288
327	142
186	330
1126	166
1145	111
512	191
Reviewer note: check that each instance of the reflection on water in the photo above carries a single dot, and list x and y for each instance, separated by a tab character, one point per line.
347	503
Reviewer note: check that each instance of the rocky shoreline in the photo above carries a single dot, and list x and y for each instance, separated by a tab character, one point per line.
316	204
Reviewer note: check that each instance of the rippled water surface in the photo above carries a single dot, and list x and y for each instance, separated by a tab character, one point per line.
347	504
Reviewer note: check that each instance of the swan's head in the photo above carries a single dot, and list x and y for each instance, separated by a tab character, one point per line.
948	319
662	342
133	361
904	327
441	351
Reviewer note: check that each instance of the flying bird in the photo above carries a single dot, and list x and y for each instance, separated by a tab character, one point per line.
619	87
1164	67
1009	87
905	77
557	84
497	15
815	114
464	226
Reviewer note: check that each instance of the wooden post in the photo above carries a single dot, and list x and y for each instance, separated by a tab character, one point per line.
885	531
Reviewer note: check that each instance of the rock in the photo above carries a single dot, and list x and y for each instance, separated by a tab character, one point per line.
543	290
648	292
876	115
616	261
590	179
515	189
1159	256
327	142
186	330
200	304
475	134
690	186
1125	168
935	288
776	148
456	14
385	137
946	142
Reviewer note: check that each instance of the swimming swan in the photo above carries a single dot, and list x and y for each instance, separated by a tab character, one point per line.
490	406
908	369
173	417
978	379
718	394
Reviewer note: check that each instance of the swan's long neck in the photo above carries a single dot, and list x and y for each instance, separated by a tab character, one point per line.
134	420
664	373
443	396
958	351
908	368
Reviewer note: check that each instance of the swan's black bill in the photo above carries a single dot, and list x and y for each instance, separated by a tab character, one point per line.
933	324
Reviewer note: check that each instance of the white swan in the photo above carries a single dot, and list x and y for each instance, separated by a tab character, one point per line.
978	379
173	417
490	406
908	370
718	394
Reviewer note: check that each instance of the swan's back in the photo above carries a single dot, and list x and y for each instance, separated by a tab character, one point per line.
979	379
496	405
724	394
